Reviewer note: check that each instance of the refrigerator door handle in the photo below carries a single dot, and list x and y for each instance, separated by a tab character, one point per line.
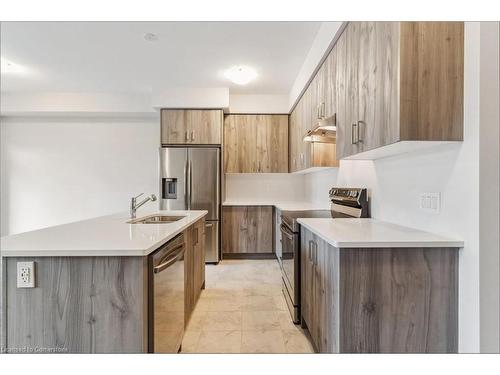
186	182
190	183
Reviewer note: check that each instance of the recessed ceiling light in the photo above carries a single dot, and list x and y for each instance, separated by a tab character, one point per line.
150	37
7	67
240	74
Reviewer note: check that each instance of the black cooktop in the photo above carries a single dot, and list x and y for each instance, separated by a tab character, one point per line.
290	217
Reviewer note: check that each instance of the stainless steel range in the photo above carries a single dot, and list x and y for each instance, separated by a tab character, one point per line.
345	203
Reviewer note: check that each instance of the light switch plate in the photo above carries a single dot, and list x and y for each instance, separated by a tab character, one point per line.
25	274
430	202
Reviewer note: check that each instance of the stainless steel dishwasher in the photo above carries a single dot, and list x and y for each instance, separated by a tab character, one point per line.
166	297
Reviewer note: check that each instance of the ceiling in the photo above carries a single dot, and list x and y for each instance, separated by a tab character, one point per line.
114	56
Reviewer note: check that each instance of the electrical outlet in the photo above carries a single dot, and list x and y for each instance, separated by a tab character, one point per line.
25	274
430	202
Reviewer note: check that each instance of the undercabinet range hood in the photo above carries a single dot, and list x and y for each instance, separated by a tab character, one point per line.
324	131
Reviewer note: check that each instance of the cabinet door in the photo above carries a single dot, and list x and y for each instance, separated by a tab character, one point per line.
272	143
343	145
205	126
247	229
191	126
329	83
386	120
326	287
308	117
353	37
260	229
366	81
174	126
240	144
199	257
293	136
306	279
189	299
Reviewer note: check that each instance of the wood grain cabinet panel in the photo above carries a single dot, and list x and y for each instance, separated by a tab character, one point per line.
247	230
256	144
404	83
194	267
191	126
386	300
79	305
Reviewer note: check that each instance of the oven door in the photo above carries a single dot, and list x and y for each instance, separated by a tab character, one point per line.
290	262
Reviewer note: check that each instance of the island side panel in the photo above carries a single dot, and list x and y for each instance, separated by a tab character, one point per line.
78	305
399	300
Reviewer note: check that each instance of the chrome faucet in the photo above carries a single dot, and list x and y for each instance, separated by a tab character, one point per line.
134	205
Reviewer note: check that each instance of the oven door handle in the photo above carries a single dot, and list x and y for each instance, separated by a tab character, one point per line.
284	229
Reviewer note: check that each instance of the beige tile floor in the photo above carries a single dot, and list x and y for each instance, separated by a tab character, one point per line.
242	310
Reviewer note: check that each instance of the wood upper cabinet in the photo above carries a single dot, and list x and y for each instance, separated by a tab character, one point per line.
404	82
256	143
191	126
247	230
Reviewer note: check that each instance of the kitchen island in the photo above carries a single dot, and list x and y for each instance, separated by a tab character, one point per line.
369	286
93	286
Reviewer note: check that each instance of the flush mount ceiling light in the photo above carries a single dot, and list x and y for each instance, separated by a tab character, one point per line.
8	67
150	37
240	74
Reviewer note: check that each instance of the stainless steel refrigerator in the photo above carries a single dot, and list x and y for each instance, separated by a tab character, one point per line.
190	180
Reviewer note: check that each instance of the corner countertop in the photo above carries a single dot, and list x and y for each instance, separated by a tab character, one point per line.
102	236
372	233
284	206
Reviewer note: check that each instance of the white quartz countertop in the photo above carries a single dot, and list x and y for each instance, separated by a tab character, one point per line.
102	236
372	233
284	206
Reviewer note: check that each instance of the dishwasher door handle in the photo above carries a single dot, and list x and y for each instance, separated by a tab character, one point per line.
171	260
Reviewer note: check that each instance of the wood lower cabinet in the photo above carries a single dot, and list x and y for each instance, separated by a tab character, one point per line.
247	231
379	300
319	289
191	126
199	256
256	144
194	267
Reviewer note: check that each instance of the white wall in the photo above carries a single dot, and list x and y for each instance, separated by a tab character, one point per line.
453	170
489	185
266	187
57	170
258	104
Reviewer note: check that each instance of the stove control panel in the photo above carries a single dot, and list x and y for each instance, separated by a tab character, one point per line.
353	197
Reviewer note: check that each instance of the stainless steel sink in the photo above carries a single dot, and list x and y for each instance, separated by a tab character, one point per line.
156	219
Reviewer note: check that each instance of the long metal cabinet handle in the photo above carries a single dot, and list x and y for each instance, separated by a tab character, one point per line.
192	135
315	262
358	126
187	135
310	250
353	138
171	260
